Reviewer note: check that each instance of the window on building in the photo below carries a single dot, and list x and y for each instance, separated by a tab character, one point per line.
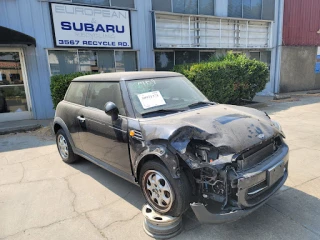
255	55
206	7
122	3
164	61
268	9
235	8
107	3
77	92
251	9
101	93
93	2
88	61
205	56
202	7
102	61
126	61
63	62
162	5
106	61
183	57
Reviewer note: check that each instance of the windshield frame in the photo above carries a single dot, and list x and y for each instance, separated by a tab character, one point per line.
179	110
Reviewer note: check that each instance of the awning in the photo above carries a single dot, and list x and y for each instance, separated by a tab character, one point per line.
10	36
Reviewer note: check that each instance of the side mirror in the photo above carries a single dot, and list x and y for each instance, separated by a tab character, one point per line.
112	110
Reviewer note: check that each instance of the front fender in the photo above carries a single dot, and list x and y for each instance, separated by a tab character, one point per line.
164	154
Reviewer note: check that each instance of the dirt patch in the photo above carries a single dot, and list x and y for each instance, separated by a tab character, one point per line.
44	133
286	100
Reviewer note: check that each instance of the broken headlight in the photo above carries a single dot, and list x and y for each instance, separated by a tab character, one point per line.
207	153
278	126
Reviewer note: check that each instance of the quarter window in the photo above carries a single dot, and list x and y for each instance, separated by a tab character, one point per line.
102	92
77	92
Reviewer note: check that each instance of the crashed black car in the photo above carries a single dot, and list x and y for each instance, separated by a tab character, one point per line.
156	129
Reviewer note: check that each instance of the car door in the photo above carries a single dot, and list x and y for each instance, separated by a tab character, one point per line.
105	139
71	107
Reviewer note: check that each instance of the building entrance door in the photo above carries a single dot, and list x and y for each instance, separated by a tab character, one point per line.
14	92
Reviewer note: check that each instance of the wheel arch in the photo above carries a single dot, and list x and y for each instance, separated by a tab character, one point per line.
58	123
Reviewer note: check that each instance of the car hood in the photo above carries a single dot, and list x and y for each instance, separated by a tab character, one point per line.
230	128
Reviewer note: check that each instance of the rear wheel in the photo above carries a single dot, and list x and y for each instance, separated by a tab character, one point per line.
64	148
164	194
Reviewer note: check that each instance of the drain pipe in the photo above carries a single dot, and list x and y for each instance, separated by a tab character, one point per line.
280	14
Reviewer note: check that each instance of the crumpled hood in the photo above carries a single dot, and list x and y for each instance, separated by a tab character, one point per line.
230	128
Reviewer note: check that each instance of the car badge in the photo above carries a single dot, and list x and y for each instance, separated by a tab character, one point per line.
261	136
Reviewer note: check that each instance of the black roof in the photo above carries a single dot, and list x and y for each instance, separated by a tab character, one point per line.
124	76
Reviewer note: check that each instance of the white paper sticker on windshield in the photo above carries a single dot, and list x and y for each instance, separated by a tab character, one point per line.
151	99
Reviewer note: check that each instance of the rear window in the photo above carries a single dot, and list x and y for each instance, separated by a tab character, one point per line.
77	92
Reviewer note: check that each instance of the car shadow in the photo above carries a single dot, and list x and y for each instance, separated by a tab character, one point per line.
289	214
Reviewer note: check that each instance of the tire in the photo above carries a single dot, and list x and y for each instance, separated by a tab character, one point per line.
158	185
64	148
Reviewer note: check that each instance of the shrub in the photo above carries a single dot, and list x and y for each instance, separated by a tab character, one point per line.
60	83
227	79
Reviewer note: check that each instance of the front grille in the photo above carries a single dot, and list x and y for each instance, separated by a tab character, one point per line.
257	154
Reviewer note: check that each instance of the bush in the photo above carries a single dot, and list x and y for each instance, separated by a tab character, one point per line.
60	83
227	79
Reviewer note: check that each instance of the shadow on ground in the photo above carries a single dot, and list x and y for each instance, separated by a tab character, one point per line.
290	214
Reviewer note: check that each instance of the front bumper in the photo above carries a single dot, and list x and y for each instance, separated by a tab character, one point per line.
255	187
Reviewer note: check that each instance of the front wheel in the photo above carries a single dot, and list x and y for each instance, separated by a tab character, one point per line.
64	148
164	194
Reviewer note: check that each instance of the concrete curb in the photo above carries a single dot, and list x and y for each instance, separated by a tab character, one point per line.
257	105
17	129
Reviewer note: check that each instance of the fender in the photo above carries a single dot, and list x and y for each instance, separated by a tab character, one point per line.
164	154
60	122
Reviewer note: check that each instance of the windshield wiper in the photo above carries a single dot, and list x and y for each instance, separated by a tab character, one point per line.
200	102
162	111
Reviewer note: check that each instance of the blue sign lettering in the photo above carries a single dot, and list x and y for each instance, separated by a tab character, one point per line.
89	27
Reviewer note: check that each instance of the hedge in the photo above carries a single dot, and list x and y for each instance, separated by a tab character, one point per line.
228	79
60	83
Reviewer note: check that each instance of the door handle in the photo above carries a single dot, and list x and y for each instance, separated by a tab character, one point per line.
81	119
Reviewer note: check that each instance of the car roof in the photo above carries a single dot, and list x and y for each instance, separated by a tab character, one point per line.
124	76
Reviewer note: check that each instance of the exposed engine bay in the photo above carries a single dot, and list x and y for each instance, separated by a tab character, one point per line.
216	179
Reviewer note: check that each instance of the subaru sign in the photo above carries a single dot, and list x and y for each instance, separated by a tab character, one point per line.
82	26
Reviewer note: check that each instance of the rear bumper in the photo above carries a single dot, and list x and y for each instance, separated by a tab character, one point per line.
246	203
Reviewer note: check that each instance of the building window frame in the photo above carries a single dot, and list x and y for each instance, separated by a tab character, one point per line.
261	14
213	51
92	5
93	49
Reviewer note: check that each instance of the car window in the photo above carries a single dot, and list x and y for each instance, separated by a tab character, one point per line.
77	92
102	92
149	95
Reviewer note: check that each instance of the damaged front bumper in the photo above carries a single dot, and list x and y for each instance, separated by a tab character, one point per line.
255	187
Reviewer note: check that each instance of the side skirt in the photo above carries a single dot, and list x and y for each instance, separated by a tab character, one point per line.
106	166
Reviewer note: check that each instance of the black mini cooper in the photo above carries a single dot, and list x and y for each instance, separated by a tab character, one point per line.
156	129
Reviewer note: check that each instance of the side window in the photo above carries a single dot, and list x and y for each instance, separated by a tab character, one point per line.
77	92
102	92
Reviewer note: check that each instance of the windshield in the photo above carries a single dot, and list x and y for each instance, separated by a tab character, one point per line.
152	97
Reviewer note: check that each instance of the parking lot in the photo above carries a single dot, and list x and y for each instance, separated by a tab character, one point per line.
43	198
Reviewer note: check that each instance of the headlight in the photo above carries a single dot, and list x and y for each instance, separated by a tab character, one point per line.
278	126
